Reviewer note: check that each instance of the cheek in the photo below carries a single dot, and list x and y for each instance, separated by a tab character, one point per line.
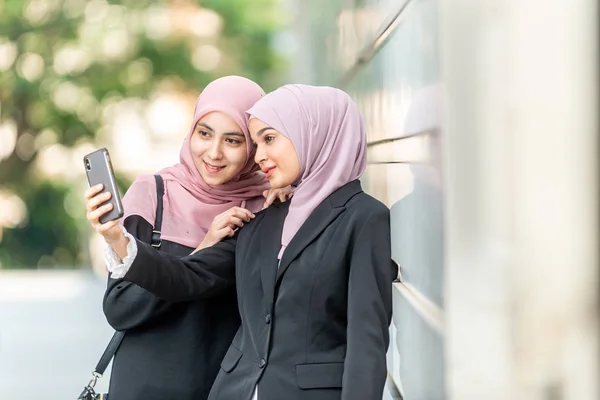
291	159
237	156
196	146
279	155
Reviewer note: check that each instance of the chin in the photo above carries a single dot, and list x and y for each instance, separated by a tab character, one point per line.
276	184
214	180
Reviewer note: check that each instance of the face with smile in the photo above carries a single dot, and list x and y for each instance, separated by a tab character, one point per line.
218	148
275	154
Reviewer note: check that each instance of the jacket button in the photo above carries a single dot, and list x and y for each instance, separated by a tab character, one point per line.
268	319
262	363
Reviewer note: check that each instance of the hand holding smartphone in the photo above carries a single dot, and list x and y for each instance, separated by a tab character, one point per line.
98	169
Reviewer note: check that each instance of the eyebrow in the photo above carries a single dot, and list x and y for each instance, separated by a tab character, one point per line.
225	134
206	126
266	128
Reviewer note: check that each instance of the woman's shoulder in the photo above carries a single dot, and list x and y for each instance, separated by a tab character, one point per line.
364	206
143	182
140	198
365	201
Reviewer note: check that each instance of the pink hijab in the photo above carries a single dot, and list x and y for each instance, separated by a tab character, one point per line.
328	133
189	203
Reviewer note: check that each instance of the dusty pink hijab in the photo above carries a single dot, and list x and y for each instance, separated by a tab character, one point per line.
328	133
189	203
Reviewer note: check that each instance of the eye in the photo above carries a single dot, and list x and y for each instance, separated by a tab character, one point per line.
269	139
233	141
203	133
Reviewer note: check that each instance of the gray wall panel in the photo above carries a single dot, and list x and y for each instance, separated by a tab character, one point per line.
417	240
421	349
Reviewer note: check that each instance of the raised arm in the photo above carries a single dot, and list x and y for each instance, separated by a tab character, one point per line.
203	274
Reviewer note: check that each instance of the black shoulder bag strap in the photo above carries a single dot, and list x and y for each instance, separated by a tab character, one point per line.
160	191
115	341
88	392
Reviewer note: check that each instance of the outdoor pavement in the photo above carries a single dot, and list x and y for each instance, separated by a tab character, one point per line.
52	333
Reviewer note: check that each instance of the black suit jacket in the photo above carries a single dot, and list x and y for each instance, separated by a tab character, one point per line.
172	350
316	326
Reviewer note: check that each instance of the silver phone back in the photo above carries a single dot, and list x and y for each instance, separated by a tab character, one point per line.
99	170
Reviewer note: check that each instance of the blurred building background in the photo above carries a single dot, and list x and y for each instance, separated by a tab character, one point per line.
483	128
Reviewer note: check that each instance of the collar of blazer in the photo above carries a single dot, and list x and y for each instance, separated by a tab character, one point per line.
318	220
340	197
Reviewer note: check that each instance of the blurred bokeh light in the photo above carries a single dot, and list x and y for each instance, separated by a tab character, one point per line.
76	75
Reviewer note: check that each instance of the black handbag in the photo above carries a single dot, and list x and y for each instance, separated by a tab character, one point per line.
88	392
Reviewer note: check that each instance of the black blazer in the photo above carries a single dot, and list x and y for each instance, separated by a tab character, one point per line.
316	328
171	350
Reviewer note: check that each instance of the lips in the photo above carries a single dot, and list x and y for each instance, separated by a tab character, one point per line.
268	172
212	169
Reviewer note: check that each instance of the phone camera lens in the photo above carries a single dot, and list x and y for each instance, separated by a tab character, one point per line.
87	164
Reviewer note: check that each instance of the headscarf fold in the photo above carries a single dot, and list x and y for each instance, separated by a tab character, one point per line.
189	203
328	133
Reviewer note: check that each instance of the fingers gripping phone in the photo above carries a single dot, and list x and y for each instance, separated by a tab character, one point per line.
99	170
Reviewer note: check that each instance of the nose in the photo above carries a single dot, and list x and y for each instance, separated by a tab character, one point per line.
215	152
260	155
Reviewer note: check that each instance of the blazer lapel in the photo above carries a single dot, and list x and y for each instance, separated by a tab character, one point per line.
318	220
269	246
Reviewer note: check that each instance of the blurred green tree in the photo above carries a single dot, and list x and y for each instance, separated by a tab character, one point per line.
62	62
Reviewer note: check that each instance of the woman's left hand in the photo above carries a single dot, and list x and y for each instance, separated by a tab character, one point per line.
272	195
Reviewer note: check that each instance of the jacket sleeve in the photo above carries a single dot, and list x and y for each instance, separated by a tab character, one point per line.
203	274
371	274
125	304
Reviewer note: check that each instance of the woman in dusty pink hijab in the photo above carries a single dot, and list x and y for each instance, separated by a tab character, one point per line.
313	275
173	350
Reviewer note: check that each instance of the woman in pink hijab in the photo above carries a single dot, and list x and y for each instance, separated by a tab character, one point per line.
173	350
313	275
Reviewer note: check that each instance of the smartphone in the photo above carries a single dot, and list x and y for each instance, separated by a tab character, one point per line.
99	170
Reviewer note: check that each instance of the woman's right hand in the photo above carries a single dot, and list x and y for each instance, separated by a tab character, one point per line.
225	225
110	230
